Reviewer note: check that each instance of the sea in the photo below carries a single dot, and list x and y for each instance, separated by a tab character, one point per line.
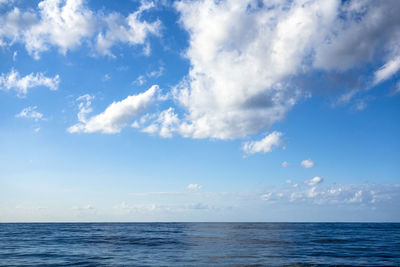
199	244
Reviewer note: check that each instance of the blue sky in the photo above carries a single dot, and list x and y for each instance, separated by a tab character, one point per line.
199	110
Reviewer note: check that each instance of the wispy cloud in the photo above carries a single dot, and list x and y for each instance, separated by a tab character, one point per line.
14	81
346	194
30	113
387	70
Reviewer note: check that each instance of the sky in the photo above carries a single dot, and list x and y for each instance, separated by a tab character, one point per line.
203	110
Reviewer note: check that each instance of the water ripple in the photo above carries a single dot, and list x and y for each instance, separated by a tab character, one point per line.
199	244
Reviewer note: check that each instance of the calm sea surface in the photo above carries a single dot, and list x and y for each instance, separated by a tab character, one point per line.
199	244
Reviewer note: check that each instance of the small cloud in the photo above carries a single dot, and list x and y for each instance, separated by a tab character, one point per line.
357	197
156	73
139	80
87	207
346	97
266	196
290	182
387	70
106	77
361	105
396	90
265	145
307	163
146	49
85	102
314	181
122	68
312	193
30	113
13	80
194	187
199	206
285	164
135	124
127	208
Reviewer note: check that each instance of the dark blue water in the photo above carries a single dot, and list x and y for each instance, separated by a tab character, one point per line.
199	244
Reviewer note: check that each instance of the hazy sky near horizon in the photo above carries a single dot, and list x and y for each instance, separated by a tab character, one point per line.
233	110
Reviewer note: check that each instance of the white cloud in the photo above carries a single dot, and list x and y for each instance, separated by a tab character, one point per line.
307	163
397	89
67	24
156	73
129	30
151	129
194	187
86	207
311	193
387	70
30	113
266	196
285	164
139	80
361	105
199	206
84	106
357	198
240	56
290	182
13	81
246	55
116	116
106	77
314	181
165	125
62	24
366	194
362	29
157	208
265	145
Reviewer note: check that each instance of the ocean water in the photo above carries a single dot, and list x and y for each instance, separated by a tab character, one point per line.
199	244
